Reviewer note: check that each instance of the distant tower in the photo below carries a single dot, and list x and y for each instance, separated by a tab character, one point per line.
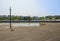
10	19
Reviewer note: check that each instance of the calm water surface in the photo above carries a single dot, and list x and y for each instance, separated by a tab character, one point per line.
21	24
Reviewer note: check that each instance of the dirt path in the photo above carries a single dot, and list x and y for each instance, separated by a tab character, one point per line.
47	32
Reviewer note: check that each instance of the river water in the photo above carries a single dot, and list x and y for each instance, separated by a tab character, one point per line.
25	24
21	24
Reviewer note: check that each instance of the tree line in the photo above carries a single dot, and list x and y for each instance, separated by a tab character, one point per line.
4	17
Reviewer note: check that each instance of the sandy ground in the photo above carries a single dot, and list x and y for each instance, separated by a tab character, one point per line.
46	32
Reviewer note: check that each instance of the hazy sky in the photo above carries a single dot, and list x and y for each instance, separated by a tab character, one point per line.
30	7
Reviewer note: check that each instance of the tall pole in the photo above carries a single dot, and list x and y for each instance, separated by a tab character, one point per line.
10	19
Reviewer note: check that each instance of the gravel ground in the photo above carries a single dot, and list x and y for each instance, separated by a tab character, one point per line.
46	32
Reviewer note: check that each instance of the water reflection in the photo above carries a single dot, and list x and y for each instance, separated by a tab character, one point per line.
25	24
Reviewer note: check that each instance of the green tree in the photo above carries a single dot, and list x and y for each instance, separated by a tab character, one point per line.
42	18
49	17
15	18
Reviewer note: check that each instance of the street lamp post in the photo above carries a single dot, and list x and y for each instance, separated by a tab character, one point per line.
10	18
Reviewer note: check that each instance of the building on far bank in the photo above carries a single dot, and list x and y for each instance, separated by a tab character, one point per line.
35	18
